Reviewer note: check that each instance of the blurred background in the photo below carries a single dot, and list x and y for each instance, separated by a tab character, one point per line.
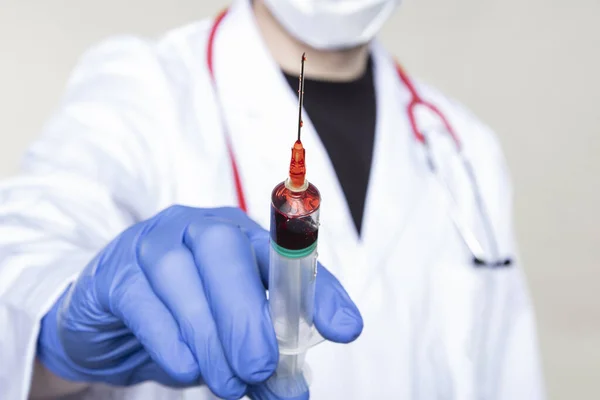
529	68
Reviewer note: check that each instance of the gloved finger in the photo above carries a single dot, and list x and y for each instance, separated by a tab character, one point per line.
260	241
336	316
134	302
262	392
236	296
171	271
259	237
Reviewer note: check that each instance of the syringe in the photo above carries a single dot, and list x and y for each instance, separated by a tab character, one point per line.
293	267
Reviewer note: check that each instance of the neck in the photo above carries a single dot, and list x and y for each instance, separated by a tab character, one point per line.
331	65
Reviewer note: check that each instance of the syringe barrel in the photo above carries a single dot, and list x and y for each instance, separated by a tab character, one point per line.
291	295
292	277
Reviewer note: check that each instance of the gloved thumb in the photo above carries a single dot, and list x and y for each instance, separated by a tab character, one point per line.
336	316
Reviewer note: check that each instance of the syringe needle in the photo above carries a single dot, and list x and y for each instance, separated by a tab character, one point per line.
301	95
297	177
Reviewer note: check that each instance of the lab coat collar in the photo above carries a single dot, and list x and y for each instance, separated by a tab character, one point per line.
261	113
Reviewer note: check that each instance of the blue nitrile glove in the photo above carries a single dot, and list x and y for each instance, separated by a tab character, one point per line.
180	299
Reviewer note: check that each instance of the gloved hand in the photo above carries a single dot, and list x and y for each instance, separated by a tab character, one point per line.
180	299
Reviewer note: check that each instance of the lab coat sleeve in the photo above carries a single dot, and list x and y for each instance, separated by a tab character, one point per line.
100	165
512	367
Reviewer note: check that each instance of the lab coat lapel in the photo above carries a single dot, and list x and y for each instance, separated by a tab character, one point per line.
260	110
398	180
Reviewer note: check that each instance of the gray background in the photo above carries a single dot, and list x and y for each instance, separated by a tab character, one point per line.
529	68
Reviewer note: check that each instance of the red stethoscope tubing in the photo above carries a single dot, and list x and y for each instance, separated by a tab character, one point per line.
239	188
415	101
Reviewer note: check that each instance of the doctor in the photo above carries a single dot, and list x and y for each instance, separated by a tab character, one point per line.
129	270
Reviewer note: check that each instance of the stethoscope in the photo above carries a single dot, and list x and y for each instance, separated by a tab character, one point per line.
480	259
492	258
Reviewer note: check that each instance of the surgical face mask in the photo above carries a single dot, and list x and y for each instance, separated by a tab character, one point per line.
332	24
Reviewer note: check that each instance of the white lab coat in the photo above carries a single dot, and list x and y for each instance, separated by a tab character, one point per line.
138	130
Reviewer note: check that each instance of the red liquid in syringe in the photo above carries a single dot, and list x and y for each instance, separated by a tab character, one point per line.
294	217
